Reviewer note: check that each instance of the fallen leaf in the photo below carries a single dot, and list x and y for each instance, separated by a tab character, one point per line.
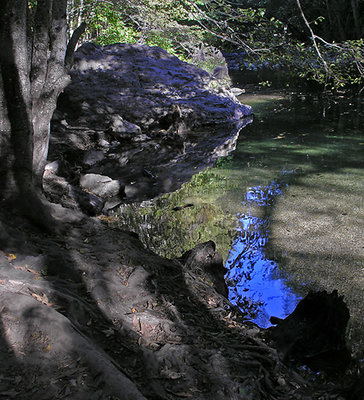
27	269
33	271
42	299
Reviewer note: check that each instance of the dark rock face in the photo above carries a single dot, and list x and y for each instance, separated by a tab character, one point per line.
132	108
314	334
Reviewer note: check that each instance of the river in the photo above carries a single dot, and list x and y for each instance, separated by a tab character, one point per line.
285	208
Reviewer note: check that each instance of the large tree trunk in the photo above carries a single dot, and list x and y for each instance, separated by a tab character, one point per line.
16	111
33	73
48	74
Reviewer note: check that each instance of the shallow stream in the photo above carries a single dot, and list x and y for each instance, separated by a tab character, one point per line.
285	208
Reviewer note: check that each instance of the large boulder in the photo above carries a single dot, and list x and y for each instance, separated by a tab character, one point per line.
133	108
137	84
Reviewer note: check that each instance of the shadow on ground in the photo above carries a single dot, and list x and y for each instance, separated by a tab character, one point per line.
93	315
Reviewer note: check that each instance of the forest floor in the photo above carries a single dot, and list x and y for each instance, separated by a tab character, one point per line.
91	314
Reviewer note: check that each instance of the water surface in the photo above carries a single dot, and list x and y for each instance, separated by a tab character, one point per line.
302	155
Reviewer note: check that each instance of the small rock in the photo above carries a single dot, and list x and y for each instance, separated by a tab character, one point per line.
104	143
237	91
92	157
121	126
101	185
52	167
111	203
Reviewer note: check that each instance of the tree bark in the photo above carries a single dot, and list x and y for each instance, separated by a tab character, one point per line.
33	74
53	82
313	36
72	44
16	119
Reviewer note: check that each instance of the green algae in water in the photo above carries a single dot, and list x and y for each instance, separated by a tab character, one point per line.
176	222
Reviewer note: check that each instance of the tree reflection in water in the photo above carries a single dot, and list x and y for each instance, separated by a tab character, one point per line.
256	283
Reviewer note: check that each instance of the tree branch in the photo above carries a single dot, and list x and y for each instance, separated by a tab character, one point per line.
216	23
313	36
72	45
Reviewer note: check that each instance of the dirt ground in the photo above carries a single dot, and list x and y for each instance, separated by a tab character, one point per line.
91	314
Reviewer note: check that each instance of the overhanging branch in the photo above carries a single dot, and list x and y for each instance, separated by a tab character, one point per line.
72	44
313	36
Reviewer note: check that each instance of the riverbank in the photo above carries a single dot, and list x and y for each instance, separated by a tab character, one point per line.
87	312
93	314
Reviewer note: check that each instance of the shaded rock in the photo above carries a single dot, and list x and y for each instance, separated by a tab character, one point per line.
314	334
138	85
142	189
132	108
123	128
101	185
357	390
58	190
221	72
111	203
88	203
208	263
172	122
92	157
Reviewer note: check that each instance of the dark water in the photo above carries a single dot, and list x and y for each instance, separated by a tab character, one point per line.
294	139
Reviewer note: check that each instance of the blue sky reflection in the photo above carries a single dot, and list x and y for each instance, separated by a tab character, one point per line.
255	282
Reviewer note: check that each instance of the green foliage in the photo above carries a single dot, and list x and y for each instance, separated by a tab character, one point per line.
110	28
344	61
194	29
105	22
